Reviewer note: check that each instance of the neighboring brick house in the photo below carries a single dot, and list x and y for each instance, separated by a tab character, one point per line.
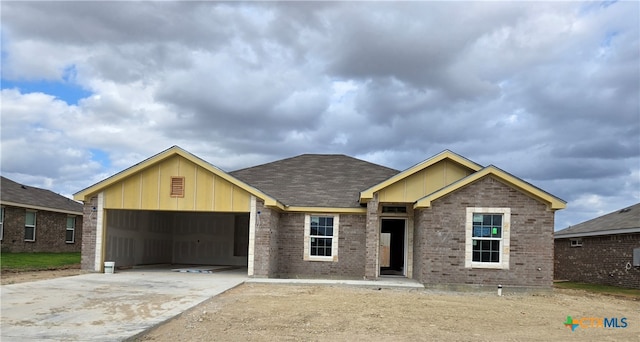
38	220
601	250
445	221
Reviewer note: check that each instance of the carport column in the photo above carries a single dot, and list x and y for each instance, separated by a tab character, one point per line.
372	234
252	235
99	233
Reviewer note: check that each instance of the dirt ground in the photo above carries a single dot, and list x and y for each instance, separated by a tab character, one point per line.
13	277
268	312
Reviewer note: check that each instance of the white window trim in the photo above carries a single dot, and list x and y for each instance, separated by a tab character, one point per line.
35	222
334	241
73	239
504	243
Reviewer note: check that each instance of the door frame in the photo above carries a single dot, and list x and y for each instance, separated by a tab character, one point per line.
405	244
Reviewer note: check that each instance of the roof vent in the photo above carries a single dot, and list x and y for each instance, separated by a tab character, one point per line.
24	187
625	210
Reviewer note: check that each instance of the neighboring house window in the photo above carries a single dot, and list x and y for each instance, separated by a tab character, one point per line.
177	186
30	226
1	223
321	237
71	229
576	242
487	238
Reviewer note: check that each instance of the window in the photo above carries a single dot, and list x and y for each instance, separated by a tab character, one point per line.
1	223
177	186
487	238
394	209
576	242
321	237
71	229
30	226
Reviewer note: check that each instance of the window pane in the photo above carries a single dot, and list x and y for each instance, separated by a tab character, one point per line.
496	232
486	220
69	236
329	231
314	230
30	218
71	222
495	256
495	245
329	221
29	233
484	257
321	246
486	250
497	220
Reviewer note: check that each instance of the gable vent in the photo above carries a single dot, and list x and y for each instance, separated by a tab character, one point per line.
177	186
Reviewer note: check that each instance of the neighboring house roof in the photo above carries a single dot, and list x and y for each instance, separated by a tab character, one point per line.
316	180
16	194
623	221
88	192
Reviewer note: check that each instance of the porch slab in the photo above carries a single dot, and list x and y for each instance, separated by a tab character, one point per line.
383	283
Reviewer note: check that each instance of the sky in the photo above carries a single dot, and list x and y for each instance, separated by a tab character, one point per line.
547	91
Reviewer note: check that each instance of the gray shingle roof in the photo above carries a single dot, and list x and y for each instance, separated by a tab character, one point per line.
316	180
29	196
620	221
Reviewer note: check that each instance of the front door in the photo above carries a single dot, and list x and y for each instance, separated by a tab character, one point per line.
392	247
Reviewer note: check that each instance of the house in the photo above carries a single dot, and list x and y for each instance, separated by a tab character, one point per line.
446	221
38	220
604	250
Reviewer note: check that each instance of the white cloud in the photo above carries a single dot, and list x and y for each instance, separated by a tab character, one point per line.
547	91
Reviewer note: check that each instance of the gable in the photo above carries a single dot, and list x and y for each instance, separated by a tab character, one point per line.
422	179
148	186
426	181
552	202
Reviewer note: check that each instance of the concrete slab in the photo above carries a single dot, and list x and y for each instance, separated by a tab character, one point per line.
386	283
105	307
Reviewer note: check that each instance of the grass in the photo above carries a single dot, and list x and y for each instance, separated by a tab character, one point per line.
37	261
601	289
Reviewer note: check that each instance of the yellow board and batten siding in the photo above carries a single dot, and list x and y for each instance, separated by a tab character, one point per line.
150	189
424	182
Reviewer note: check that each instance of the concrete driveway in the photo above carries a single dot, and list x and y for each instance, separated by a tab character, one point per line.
105	307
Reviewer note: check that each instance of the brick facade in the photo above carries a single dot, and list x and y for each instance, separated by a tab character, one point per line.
439	241
87	261
585	264
372	237
351	249
266	241
50	236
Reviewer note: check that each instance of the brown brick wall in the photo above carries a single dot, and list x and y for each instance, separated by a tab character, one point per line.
372	237
50	235
439	245
89	235
266	242
351	249
601	260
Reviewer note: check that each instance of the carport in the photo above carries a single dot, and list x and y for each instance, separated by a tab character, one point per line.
143	237
173	208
